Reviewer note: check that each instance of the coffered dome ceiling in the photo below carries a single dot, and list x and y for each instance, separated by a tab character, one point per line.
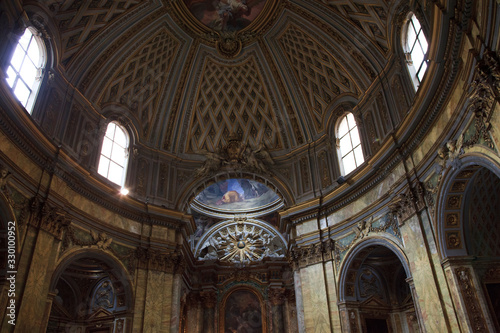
190	73
252	89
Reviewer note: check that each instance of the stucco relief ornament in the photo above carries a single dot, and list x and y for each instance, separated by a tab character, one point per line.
449	154
241	244
362	229
102	241
237	156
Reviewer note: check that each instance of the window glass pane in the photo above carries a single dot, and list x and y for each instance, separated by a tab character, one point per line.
345	145
423	42
417	56
106	147
34	53
411	37
103	166
342	128
118	154
115	173
350	120
422	71
17	58
348	162
355	137
28	72
358	153
120	137
22	92
25	39
415	22
11	76
110	131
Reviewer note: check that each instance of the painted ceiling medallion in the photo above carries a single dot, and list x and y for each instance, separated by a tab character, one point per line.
241	244
229	24
225	15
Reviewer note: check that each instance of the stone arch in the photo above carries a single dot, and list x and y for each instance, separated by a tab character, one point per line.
376	290
452	199
80	276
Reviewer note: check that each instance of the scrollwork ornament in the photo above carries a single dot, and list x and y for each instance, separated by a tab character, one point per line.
470	299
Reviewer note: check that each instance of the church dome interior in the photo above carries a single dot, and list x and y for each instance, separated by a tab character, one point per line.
250	166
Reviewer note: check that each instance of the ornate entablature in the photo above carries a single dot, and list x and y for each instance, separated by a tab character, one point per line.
241	242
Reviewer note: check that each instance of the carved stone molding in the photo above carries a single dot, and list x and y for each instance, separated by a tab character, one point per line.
471	302
353	322
484	90
169	262
300	257
409	203
54	221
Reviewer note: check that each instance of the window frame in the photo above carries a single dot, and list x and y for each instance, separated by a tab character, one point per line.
110	155
414	71
34	86
353	148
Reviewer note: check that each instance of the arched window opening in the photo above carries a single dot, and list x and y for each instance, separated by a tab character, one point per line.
25	69
349	144
415	46
114	154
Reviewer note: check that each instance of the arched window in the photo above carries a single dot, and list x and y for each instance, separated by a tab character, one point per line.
25	69
349	144
415	46
114	154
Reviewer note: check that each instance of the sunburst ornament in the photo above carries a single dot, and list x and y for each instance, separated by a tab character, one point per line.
241	243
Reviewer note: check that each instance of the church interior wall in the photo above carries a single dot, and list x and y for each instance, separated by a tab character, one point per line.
393	245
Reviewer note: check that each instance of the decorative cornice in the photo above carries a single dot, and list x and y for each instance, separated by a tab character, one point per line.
54	220
300	257
409	203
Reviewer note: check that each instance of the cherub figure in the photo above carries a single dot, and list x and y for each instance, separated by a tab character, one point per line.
101	240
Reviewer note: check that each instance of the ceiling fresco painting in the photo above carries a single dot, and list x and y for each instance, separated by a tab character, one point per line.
237	196
225	15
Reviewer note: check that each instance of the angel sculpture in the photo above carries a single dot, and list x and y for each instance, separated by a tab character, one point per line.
101	240
211	165
4	176
455	149
362	229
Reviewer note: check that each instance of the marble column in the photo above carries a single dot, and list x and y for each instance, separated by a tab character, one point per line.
176	303
299	301
277	298
209	300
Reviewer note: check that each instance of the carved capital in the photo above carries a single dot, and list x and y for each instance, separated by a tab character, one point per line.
54	221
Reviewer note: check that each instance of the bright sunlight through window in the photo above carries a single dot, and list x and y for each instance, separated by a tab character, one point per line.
349	144
25	69
416	49
114	154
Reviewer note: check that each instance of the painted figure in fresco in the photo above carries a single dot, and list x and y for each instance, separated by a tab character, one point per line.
225	15
230	197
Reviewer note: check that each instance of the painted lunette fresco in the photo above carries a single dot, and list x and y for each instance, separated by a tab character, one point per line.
237	196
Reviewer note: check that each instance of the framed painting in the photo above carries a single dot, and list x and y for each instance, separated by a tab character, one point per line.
242	311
